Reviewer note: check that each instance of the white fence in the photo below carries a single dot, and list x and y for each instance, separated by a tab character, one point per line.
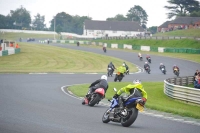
187	94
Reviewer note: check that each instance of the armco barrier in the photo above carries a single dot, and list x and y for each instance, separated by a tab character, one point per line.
187	94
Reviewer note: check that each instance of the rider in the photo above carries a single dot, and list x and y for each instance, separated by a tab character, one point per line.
161	66
175	67
147	57
126	66
122	69
139	54
100	83
146	65
111	65
137	85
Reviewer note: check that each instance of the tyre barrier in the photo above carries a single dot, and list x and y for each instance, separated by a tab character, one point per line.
174	88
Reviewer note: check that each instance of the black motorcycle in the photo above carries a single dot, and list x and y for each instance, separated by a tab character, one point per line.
127	115
127	72
104	49
163	70
78	43
176	72
148	70
118	76
149	60
140	58
110	72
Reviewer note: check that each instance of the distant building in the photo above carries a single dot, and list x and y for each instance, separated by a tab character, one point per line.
180	23
112	28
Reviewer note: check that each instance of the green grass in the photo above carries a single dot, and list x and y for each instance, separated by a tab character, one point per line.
182	33
183	43
46	58
157	100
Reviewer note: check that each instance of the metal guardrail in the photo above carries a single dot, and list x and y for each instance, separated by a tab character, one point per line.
173	89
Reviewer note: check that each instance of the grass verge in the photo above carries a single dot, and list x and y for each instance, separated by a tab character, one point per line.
157	100
46	58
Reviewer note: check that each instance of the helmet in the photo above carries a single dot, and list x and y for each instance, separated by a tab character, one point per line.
104	77
145	62
161	63
123	64
136	81
174	65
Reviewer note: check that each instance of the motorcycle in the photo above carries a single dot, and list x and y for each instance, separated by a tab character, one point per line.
95	97
110	72
78	44
126	116
163	70
127	72
148	70
118	76
149	60
140	58
176	72
104	49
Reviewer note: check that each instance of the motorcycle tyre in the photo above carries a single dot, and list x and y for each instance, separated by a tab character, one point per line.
131	119
92	102
106	120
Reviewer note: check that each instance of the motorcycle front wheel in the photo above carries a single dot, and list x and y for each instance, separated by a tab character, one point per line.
105	118
130	119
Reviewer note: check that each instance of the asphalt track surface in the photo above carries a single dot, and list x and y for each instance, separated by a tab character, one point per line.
35	103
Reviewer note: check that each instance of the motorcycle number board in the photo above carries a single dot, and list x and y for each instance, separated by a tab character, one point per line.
140	107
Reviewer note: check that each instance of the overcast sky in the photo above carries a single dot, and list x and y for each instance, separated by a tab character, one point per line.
96	9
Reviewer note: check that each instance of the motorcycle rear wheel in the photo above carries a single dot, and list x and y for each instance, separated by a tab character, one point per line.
94	99
129	120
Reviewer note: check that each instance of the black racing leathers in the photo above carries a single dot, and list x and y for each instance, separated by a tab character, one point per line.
100	83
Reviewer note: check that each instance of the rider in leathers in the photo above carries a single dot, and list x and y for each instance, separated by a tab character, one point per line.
146	65
130	88
122	69
161	66
110	65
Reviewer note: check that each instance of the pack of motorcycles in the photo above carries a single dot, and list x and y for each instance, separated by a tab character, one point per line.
125	115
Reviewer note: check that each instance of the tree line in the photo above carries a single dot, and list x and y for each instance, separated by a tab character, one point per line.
21	18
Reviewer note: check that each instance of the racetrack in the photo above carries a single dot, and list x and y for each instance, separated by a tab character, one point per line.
34	103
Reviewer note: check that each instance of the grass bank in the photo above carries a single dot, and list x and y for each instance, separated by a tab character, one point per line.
182	33
183	43
46	58
157	100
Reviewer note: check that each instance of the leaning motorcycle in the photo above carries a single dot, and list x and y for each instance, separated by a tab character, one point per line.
95	97
148	70
127	115
127	72
176	72
149	60
104	49
118	76
110	72
140	58
163	70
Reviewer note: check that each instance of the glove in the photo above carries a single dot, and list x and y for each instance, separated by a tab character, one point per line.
116	96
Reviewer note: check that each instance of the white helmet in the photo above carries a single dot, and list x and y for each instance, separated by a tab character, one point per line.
136	81
145	62
161	63
104	77
123	64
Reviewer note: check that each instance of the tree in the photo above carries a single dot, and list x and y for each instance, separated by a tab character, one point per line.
182	7
138	14
3	21
153	29
195	14
21	18
118	17
38	22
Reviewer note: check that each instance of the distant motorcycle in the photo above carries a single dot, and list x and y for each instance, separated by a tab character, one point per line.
140	58
118	76
163	70
127	72
176	72
149	60
126	116
95	97
148	70
110	72
104	49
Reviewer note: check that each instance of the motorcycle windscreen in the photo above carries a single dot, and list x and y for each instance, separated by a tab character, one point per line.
100	91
